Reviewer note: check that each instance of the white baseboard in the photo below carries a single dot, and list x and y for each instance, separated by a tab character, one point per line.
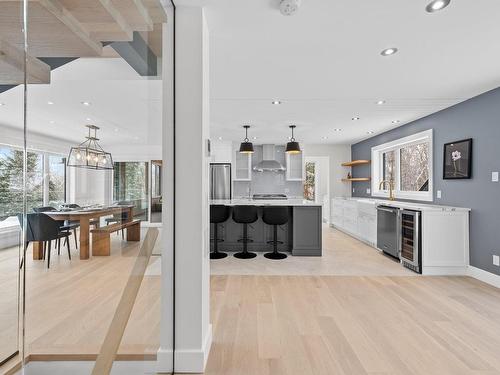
445	270
186	361
484	276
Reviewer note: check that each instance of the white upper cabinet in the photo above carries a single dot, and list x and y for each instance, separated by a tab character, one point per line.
294	167
242	166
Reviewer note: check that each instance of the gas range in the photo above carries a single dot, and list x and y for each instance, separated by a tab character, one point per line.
269	196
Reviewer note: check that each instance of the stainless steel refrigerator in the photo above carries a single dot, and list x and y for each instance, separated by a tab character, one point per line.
220	181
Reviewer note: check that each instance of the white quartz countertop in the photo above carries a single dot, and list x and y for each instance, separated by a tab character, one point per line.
265	202
407	205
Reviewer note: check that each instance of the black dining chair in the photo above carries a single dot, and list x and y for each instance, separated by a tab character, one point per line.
42	228
67	225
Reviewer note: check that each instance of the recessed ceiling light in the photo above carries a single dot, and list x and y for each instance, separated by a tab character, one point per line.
88	119
2	104
396	121
355	118
86	103
380	102
436	5
276	102
370	132
220	138
324	137
254	137
337	130
50	103
389	51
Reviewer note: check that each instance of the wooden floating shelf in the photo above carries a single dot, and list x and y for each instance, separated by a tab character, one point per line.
355	162
356	179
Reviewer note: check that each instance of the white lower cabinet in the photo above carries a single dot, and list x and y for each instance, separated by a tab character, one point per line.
444	231
356	218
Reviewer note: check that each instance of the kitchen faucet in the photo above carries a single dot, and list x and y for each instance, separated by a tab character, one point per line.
391	187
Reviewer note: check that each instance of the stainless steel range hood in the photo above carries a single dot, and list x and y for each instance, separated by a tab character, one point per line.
269	162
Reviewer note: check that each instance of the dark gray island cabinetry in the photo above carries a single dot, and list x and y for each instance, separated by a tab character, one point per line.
302	235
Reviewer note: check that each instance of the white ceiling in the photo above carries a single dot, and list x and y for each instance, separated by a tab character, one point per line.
126	106
324	63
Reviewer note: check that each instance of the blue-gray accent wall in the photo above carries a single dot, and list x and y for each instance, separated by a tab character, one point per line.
477	118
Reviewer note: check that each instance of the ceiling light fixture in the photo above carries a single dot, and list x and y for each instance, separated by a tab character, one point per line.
289	7
436	5
87	104
276	102
89	154
50	103
396	121
355	118
324	137
220	138
380	102
337	130
246	147
389	51
2	104
293	146
370	132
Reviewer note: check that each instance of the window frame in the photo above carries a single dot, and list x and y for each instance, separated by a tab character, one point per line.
396	145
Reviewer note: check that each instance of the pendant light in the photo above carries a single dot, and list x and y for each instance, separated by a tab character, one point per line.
89	154
292	147
246	147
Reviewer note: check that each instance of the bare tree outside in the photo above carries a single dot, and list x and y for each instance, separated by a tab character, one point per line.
414	167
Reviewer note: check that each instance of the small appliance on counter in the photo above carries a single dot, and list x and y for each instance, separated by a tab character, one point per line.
220	181
411	244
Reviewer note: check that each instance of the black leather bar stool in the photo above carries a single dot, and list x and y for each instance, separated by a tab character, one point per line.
275	216
245	215
218	214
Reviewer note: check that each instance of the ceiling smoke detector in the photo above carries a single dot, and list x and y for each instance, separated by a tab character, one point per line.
289	7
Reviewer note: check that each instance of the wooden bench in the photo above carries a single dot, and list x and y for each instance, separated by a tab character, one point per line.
101	237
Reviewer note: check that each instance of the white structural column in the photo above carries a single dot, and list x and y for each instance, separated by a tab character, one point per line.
193	332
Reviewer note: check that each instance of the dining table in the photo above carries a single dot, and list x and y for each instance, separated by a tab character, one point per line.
83	216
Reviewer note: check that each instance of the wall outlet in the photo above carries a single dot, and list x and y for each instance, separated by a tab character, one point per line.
494	176
438	194
496	260
368	191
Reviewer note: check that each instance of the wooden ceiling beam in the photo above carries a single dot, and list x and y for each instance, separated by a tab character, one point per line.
117	16
144	12
12	66
69	20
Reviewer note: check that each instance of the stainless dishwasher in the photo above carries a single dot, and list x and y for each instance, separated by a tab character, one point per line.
388	230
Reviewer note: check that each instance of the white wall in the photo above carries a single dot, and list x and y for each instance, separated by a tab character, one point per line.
193	332
338	154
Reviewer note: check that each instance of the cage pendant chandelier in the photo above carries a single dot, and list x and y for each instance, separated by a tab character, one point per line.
89	154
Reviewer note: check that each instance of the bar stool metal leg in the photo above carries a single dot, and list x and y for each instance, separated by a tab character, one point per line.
216	254
245	254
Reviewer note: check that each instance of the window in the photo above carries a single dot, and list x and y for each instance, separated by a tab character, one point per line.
310	183
407	162
57	180
130	185
39	191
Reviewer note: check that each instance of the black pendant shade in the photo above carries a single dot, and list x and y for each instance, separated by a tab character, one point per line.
246	147
292	147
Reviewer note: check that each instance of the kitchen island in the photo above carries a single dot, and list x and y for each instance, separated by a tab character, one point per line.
301	236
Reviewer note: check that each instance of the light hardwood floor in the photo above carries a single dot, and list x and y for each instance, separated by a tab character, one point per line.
354	325
367	322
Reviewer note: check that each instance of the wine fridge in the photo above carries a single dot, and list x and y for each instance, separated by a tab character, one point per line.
411	244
